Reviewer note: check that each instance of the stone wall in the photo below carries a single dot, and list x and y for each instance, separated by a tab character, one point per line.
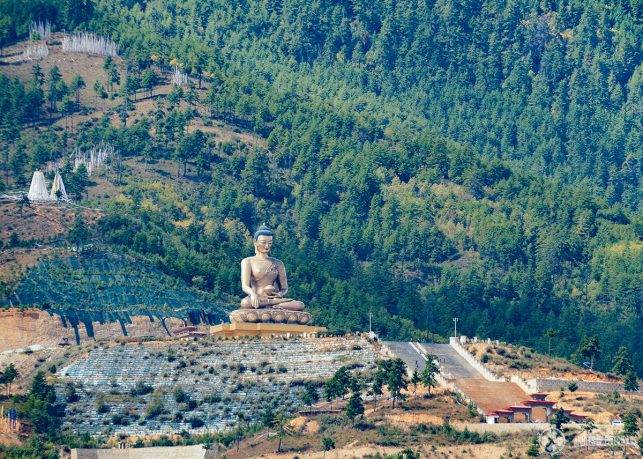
480	368
553	385
170	452
528	386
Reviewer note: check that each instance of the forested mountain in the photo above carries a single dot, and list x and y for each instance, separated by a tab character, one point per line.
554	85
423	160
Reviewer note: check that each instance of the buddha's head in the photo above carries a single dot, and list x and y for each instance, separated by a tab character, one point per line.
263	240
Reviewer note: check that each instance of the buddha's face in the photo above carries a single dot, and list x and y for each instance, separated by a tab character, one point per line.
263	244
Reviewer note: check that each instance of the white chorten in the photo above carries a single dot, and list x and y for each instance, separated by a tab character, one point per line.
58	185
38	188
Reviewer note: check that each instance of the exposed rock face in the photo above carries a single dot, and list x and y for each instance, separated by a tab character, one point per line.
35	327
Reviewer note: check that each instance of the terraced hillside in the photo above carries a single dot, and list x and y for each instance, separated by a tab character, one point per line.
131	389
108	286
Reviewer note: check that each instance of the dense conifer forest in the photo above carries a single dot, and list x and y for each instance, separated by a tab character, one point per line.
423	160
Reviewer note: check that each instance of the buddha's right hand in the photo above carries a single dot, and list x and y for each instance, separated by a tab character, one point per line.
254	300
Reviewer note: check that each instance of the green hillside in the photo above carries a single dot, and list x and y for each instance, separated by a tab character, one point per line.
106	286
422	160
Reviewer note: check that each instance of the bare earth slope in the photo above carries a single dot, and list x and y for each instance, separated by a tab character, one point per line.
34	327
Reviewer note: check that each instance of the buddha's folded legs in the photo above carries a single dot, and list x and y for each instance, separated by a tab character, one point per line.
292	305
281	303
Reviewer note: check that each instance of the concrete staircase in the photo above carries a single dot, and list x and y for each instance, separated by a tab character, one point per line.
494	396
490	395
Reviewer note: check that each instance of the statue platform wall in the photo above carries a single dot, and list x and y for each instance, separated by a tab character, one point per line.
237	329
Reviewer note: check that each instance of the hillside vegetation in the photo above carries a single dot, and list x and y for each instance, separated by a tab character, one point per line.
106	285
422	160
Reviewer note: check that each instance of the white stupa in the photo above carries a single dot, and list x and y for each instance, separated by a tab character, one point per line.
58	185
38	188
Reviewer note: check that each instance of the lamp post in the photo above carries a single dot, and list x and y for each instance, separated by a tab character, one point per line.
455	327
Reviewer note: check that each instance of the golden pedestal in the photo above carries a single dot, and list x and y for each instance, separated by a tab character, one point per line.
263	329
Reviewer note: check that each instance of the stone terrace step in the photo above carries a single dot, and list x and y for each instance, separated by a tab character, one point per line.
490	395
247	376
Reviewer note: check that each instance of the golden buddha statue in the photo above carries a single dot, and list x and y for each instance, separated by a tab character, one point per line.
263	279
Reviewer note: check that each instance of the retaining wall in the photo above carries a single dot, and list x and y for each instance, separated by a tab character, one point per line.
480	368
170	452
502	428
552	385
528	386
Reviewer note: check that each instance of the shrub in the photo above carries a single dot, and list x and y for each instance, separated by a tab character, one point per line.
214	398
180	396
142	389
71	395
154	409
195	422
101	406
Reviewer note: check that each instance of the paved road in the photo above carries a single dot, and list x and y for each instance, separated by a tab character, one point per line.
487	394
406	352
451	361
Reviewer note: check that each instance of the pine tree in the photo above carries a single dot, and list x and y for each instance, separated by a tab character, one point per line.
79	233
149	80
77	84
311	396
549	333
588	427
355	407
327	443
559	418
630	425
38	75
622	362
631	382
132	84
40	389
99	90
332	390
392	374
54	93
281	423
5	32
428	373
415	380
534	448
76	12
7	376
590	348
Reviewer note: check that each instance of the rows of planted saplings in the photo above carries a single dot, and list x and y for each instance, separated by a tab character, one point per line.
104	283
